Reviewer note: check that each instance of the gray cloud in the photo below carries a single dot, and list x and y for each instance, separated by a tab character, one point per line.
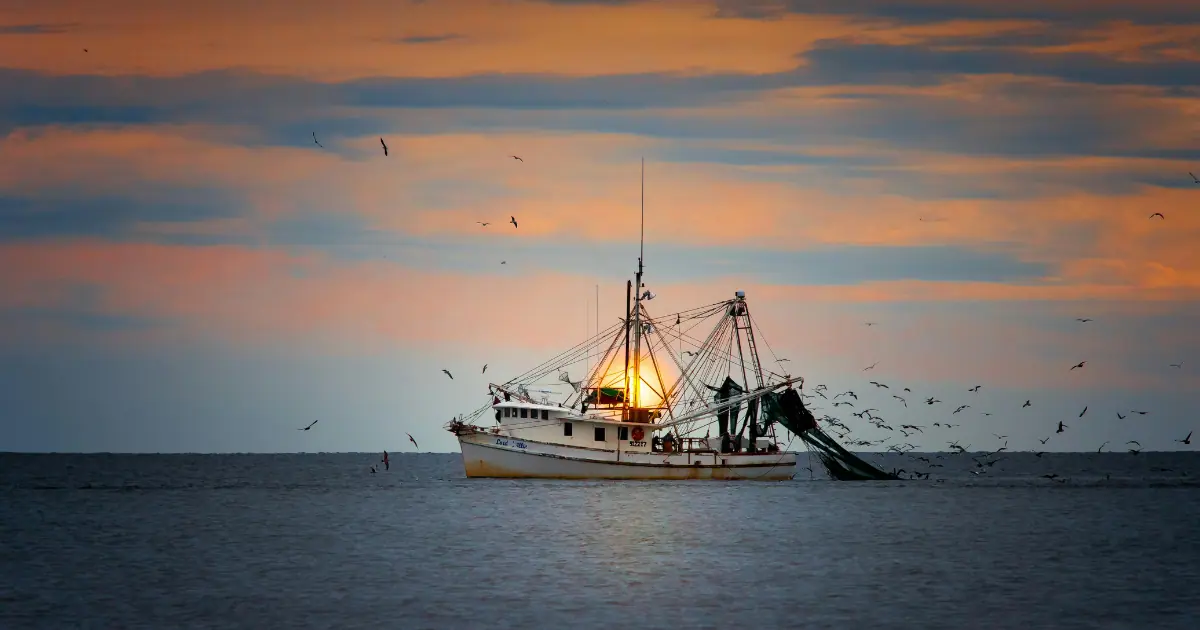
927	11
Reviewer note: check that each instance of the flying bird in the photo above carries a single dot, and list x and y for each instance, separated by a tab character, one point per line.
1082	320
1189	172
901	400
484	223
975	389
1177	365
871	367
447	373
1134	442
869	324
484	369
1077	365
513	220
1027	404
1061	427
1083	412
85	50
1044	441
1186	440
318	143
384	144
1102	447
1119	416
961	407
410	439
308	427
516	158
1157	214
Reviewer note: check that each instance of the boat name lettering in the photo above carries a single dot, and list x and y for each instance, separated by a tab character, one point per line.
641	443
504	442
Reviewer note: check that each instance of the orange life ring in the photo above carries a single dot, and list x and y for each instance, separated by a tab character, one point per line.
638	434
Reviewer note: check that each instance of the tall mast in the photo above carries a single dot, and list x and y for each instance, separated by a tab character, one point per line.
625	398
637	296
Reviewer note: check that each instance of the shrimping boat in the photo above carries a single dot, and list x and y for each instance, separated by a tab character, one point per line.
651	395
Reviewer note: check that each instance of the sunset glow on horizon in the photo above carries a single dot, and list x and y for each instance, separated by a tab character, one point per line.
202	242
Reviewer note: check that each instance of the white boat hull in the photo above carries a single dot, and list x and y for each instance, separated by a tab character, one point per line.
490	455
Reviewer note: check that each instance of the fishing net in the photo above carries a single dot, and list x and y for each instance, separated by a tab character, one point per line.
788	409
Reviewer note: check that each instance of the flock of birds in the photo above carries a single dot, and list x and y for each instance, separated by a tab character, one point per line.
982	462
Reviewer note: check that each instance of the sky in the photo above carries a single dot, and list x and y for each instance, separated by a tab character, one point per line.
183	269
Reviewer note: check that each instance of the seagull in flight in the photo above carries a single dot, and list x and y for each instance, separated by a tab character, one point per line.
513	220
484	223
1027	404
315	421
869	324
871	367
318	143
1083	320
447	373
1135	442
1083	412
516	158
1102	447
1186	440
1077	365
1189	172
1157	214
410	439
1177	365
484	369
384	147
1061	427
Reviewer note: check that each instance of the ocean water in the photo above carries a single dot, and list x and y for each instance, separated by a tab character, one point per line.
317	541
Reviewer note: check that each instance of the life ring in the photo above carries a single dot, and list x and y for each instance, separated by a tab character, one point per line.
638	434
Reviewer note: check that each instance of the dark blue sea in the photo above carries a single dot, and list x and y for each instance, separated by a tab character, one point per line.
317	541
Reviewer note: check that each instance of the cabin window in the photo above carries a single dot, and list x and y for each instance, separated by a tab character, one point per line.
599	434
622	433
545	414
567	429
524	412
507	411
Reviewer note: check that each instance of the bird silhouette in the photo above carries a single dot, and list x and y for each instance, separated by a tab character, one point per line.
1027	404
447	373
484	223
318	143
484	369
1186	440
1119	416
1157	214
871	367
516	158
513	220
1102	447
384	144
309	426
1194	179
1077	365
1177	365
1083	412
1082	320
1134	442
1043	441
410	439
975	389
1061	427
